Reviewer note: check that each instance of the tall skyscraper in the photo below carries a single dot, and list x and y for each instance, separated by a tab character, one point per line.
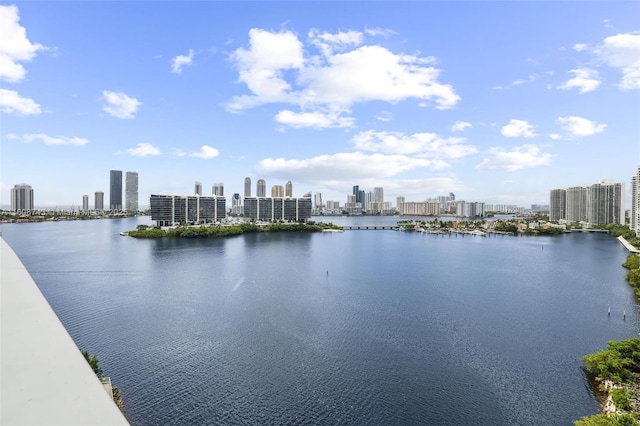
277	191
85	202
318	201
288	189
99	201
557	204
635	203
218	189
131	192
115	190
261	188
247	186
576	204
198	189
21	197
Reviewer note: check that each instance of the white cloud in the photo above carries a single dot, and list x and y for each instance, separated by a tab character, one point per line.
120	105
579	126
144	150
316	119
14	45
425	145
384	116
579	47
518	128
343	167
515	159
622	51
50	140
329	42
585	80
532	77
12	103
276	70
555	136
459	126
206	152
181	61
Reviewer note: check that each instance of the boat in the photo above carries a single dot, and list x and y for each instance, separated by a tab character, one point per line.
124	233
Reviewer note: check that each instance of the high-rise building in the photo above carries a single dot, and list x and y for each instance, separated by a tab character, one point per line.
557	204
318	201
247	186
576	203
261	188
131	192
115	190
606	203
21	197
288	189
98	203
277	191
597	204
635	203
236	204
198	189
278	208
85	202
170	210
218	189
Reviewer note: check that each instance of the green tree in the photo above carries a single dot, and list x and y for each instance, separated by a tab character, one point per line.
93	363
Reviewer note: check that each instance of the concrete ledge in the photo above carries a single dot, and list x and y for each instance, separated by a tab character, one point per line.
628	246
44	379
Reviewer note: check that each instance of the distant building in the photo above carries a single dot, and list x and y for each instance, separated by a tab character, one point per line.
218	189
635	203
418	208
170	210
277	191
288	189
131	192
247	186
597	204
197	190
278	208
236	204
115	189
85	202
557	205
261	188
98	203
317	198
21	197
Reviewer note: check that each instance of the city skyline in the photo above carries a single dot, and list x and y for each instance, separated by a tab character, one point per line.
398	98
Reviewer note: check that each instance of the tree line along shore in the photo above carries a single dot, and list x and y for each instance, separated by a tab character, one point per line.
213	231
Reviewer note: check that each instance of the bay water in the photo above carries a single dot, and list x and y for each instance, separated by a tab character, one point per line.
361	327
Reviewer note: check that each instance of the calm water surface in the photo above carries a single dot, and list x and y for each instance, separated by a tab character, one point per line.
360	327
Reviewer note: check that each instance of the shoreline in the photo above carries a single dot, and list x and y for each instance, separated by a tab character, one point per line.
627	245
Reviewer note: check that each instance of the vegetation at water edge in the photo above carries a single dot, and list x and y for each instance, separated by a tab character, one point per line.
212	231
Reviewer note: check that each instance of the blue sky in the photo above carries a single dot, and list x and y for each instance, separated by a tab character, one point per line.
495	101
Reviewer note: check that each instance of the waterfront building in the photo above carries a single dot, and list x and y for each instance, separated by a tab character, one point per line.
261	188
597	204
85	202
317	200
288	191
635	203
218	189
171	210
236	204
606	203
557	204
469	209
399	203
418	208
21	197
198	188
98	203
247	186
115	189
576	203
278	208
277	191
131	192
